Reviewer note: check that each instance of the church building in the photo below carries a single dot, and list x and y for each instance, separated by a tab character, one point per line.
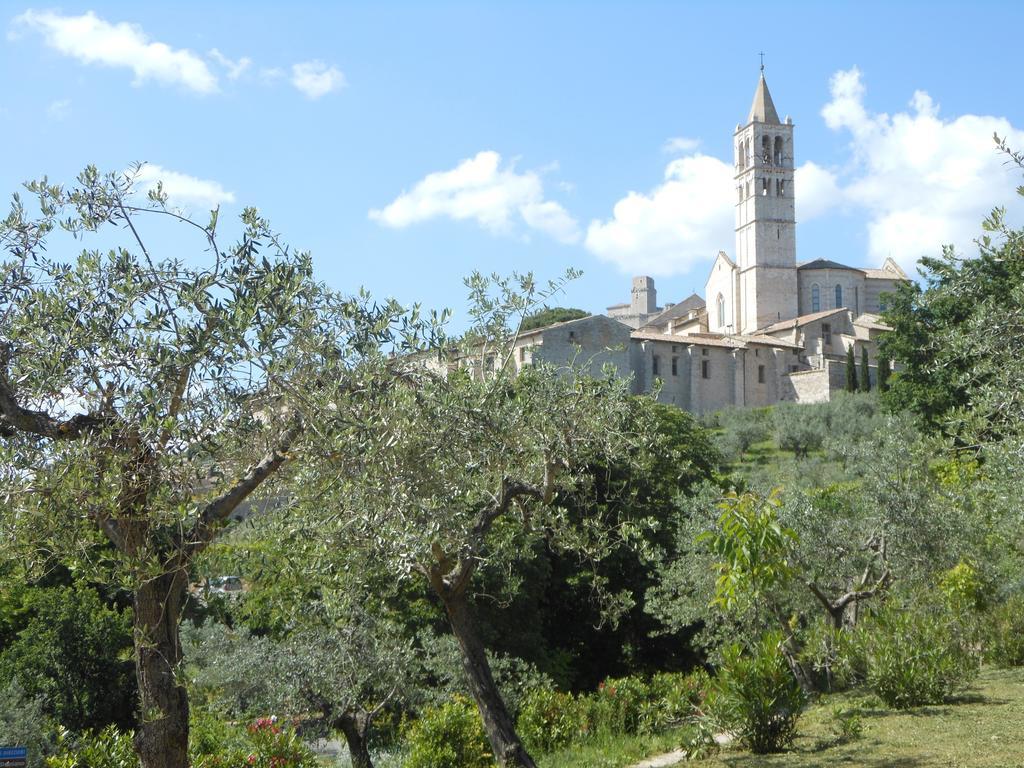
769	328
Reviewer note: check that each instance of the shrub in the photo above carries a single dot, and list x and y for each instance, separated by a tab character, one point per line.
70	653
616	706
23	722
1004	633
915	656
550	720
741	428
449	736
672	699
109	748
799	428
755	696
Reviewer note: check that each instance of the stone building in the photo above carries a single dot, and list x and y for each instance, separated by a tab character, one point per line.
770	329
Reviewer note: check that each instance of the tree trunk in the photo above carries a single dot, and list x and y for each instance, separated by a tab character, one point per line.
356	727
509	751
162	738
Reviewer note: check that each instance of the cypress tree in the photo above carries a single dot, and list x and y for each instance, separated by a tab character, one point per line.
851	371
883	374
865	374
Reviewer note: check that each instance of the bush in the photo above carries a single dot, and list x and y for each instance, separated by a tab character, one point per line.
550	720
70	653
799	428
755	696
616	706
109	748
741	428
915	656
449	736
23	722
1004	633
672	699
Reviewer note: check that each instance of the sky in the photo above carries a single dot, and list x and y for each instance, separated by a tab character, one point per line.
408	144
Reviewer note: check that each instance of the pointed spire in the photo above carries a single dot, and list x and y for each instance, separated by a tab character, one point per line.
763	110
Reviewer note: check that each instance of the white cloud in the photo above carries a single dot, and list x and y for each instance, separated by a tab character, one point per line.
92	40
316	79
59	110
922	180
235	68
680	223
480	189
678	145
182	189
817	191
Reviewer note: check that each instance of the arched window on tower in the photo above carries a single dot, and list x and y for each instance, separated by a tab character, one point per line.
746	152
720	303
815	298
766	150
741	159
778	150
739	189
839	295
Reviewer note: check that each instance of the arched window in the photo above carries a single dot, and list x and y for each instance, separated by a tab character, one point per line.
766	150
741	160
746	152
739	189
815	298
778	150
839	295
721	311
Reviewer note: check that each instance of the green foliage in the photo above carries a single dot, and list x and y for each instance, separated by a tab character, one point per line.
1003	633
964	589
550	720
108	748
865	371
449	736
851	370
884	372
742	428
799	428
550	316
23	722
73	653
626	706
755	696
753	549
672	699
915	655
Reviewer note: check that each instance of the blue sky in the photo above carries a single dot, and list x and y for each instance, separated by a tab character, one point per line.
408	144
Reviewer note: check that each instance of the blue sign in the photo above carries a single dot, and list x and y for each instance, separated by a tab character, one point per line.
10	752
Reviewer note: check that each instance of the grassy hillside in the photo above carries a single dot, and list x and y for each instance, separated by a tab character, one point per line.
981	729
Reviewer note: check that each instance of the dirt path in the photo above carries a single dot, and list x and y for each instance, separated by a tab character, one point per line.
662	761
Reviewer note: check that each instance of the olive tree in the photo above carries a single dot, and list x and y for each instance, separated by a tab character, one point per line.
468	463
144	399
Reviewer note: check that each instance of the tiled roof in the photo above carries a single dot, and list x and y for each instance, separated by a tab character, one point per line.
826	264
802	320
713	339
684	307
871	321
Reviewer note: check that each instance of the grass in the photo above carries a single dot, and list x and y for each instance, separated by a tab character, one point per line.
981	729
604	751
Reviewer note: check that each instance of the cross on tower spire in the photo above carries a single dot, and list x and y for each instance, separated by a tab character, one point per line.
762	61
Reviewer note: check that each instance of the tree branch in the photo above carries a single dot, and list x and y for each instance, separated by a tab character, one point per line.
14	418
511	490
222	506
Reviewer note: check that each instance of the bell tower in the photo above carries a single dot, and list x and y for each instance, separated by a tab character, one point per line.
765	215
